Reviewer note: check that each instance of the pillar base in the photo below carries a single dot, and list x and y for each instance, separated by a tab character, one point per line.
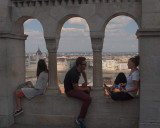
6	121
52	91
149	125
97	92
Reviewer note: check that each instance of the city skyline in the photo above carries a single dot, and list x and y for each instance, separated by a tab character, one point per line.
119	36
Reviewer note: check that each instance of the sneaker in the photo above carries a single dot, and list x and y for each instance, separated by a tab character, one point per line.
18	112
108	89
83	123
79	123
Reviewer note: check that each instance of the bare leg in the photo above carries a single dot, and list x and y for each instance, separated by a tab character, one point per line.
18	99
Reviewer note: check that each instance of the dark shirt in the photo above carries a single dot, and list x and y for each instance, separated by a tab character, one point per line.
72	77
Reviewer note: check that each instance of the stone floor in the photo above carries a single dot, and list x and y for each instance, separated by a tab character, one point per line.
25	126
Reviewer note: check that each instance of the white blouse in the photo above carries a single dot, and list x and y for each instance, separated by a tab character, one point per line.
133	76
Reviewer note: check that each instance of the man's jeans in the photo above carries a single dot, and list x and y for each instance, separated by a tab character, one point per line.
83	96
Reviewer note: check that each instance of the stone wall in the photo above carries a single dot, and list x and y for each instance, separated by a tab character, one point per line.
149	45
60	110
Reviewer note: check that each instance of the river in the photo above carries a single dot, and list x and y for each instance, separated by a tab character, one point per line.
89	73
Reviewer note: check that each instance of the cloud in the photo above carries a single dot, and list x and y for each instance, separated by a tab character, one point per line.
117	38
34	33
121	20
120	42
75	37
80	44
75	40
34	40
28	21
118	22
79	21
116	28
73	32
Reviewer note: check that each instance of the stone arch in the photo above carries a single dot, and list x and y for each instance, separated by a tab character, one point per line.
66	18
118	15
61	22
18	26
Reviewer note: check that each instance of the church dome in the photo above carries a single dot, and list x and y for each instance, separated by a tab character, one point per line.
39	52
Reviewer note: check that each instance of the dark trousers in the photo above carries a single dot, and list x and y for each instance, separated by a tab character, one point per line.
121	96
86	101
121	78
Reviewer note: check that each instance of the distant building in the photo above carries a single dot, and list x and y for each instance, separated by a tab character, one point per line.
31	60
109	65
71	62
39	55
122	66
27	61
62	64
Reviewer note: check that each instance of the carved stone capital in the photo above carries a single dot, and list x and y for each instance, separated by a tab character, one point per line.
97	44
97	34
52	44
148	33
13	36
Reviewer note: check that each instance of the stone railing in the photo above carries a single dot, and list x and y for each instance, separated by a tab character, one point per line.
61	111
35	3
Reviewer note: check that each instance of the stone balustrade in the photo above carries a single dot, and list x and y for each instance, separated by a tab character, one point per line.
34	3
60	111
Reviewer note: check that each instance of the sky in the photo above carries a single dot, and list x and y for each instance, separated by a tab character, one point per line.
119	36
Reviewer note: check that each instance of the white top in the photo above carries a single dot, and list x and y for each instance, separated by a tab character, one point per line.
38	88
133	76
42	80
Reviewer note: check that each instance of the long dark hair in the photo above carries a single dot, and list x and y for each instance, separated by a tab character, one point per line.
41	67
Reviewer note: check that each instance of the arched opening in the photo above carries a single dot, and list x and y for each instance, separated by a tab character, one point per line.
120	44
35	48
74	42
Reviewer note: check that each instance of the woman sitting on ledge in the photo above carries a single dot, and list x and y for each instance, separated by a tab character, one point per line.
128	86
30	91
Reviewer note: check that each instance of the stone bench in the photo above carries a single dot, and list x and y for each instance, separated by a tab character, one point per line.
60	110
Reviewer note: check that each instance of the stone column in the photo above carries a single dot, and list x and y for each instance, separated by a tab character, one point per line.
12	73
97	44
149	50
52	46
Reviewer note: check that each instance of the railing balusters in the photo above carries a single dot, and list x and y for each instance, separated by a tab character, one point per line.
32	3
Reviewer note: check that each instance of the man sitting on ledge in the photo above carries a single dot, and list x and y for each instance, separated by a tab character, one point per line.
80	92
